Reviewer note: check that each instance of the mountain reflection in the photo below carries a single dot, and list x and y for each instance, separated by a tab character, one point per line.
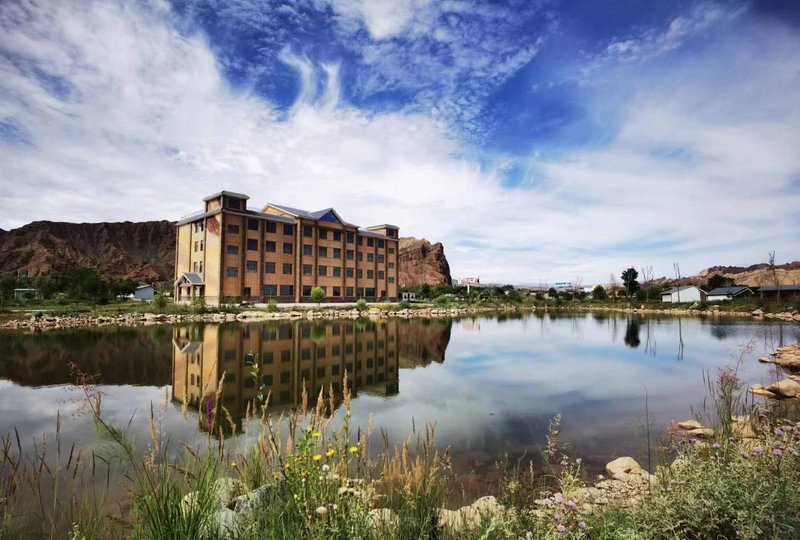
279	360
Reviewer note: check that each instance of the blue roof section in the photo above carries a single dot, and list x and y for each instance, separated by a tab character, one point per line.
294	211
327	214
733	291
773	288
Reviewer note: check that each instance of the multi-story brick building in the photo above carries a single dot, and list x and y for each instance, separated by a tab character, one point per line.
230	252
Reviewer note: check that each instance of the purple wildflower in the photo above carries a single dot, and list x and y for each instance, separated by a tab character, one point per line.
778	432
571	504
561	529
558	498
728	377
757	450
557	517
581	525
777	452
716	446
692	440
745	455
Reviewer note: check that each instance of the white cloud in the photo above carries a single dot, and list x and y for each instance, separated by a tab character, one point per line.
141	125
383	19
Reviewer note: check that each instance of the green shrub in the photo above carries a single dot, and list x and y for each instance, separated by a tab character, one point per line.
272	306
318	294
361	304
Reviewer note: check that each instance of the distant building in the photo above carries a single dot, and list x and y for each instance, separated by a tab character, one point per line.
229	252
685	293
144	292
721	294
408	297
25	294
787	291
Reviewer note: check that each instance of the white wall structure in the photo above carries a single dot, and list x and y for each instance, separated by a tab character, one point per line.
687	293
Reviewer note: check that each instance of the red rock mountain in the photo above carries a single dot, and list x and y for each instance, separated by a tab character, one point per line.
421	262
141	251
145	251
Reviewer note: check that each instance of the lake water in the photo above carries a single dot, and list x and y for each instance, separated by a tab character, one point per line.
491	384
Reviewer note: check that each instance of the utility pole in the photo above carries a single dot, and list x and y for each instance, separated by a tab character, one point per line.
677	268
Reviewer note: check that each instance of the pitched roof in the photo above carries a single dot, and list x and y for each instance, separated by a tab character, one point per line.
316	215
227	194
673	290
772	288
733	291
191	277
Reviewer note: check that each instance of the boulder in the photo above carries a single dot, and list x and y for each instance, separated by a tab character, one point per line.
690	424
623	465
701	433
787	388
226	490
246	504
471	515
382	519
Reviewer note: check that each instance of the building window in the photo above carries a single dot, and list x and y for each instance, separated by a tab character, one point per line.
370	292
359	274
370	242
232	271
251	266
360	257
235	204
285	332
270	246
308	249
286	356
320	372
306	290
196	245
360	240
201	267
252	224
350	238
286	376
322	251
348	292
337	236
287	248
349	272
350	254
380	274
381	243
270	226
323	234
370	274
233	229
337	291
322	270
201	245
232	250
381	258
391	265
287	268
321	352
391	280
288	229
337	253
370	257
391	251
308	270
308	231
269	290
305	353
194	267
269	268
198	226
337	271
252	244
287	290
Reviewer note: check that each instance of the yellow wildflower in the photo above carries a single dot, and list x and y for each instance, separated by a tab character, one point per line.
234	465
330	452
316	434
353	449
317	457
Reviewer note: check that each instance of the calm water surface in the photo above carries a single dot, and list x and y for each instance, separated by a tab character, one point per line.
491	385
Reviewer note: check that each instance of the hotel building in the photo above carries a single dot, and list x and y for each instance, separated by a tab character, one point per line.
228	252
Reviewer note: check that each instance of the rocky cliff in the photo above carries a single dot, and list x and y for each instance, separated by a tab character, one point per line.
421	262
141	251
145	251
756	275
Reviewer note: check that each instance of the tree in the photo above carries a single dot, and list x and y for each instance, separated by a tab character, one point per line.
7	285
318	295
599	293
160	301
774	272
361	304
629	280
716	281
552	292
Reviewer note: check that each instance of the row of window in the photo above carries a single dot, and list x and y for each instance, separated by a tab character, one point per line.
197	267
308	270
349	292
272	290
198	245
255	225
308	232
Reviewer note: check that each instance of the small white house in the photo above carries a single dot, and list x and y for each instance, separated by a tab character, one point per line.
685	293
408	297
722	294
144	292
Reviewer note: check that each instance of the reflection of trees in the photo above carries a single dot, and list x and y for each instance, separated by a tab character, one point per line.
720	332
632	331
650	340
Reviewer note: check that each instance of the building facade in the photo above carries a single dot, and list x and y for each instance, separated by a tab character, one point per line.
229	253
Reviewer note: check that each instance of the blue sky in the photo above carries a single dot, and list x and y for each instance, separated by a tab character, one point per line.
538	140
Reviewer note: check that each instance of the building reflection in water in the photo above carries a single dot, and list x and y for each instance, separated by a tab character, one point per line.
280	358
